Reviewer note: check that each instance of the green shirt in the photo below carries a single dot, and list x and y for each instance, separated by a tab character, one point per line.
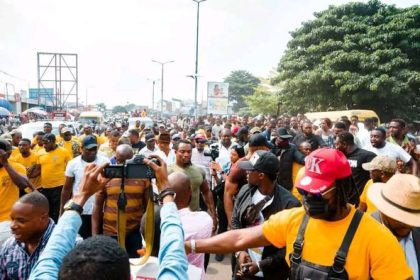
404	143
197	175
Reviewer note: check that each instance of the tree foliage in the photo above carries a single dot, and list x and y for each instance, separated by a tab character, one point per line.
358	55
101	107
119	109
265	99
130	107
263	102
242	84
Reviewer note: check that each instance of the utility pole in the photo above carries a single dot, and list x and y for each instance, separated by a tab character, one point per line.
161	79
196	58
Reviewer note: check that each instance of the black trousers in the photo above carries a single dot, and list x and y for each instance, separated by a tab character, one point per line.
133	243
85	230
54	196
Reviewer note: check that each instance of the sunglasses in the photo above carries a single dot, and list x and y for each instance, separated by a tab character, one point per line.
201	142
318	196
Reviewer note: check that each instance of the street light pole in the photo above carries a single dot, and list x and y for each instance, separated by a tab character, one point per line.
196	58
153	96
161	84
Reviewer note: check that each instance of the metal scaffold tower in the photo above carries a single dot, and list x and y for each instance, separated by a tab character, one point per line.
58	71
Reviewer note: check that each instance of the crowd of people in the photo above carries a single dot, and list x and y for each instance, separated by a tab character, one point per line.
284	197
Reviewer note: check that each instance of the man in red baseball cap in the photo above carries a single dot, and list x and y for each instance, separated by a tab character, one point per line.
327	238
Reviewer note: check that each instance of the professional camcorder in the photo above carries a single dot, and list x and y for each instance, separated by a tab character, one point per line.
214	151
134	168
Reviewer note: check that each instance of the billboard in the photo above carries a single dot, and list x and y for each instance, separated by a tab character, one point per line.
217	98
217	106
34	93
218	89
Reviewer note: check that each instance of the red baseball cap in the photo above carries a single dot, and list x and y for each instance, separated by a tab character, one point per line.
322	168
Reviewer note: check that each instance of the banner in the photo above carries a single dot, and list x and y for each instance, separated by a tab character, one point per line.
217	98
217	106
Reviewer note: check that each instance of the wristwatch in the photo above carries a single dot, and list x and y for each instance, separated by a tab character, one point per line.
71	205
165	192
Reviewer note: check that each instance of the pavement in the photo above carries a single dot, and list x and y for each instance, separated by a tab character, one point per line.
219	270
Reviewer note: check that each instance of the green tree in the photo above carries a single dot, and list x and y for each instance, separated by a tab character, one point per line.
101	107
130	107
358	55
119	109
242	84
264	100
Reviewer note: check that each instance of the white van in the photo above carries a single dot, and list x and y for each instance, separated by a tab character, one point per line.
91	117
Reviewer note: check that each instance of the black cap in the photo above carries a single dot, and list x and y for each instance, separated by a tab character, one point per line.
258	140
263	161
149	137
282	133
89	142
49	137
242	131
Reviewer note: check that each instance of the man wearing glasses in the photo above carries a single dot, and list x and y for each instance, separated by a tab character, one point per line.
74	174
314	235
198	157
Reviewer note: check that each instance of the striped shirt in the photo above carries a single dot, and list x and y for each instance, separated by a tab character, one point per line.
15	262
136	193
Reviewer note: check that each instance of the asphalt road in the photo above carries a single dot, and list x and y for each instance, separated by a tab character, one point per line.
219	270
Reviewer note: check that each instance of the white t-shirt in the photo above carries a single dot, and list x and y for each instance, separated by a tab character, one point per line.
392	151
75	169
146	152
256	253
198	158
224	154
169	159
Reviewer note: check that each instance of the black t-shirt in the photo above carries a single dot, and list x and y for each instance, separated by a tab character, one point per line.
138	146
356	159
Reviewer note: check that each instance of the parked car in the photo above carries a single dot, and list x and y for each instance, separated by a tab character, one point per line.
28	129
147	121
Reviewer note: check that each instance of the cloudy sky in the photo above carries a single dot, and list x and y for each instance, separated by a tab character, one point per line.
117	40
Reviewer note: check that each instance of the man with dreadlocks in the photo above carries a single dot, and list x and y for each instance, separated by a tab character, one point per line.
326	238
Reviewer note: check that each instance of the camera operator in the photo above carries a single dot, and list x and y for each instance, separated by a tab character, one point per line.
104	216
86	261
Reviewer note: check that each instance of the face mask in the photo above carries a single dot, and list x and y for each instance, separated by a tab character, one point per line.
315	207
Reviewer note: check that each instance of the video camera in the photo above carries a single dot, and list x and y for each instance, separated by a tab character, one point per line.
213	153
134	168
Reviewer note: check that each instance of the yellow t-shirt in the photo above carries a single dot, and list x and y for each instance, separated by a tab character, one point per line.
100	139
9	192
58	138
300	173
38	149
295	170
29	162
374	252
365	199
68	145
53	165
15	152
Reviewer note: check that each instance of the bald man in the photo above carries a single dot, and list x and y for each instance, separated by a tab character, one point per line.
194	223
104	215
31	228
